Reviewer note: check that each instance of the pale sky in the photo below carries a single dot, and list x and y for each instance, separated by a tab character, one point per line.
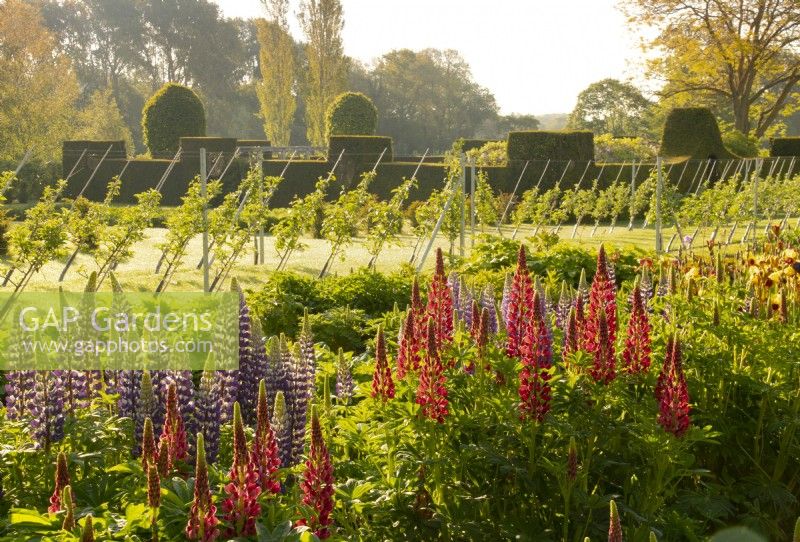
534	55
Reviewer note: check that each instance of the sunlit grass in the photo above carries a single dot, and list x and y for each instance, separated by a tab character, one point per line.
139	274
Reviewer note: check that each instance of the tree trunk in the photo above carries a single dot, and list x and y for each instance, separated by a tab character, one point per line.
741	114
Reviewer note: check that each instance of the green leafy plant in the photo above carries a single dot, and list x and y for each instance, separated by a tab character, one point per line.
183	224
116	240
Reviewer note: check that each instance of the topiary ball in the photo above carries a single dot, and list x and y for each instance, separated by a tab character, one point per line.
173	112
351	113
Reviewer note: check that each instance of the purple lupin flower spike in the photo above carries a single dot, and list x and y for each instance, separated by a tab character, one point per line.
487	302
465	303
563	306
344	379
129	389
76	391
20	393
47	409
538	288
207	412
308	354
160	379
80	394
611	273
94	384
506	297
298	398
226	347
248	370
454	282
228	391
110	378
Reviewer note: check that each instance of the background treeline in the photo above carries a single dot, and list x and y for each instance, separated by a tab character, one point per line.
113	54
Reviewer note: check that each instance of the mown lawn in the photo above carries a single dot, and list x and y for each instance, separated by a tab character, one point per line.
139	275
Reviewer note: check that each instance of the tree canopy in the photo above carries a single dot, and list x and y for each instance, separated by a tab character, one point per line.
428	98
744	56
38	87
277	68
611	107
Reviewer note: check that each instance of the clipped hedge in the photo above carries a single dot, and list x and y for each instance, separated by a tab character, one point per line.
173	112
351	113
72	150
692	132
785	146
389	175
299	179
360	148
190	146
302	175
543	145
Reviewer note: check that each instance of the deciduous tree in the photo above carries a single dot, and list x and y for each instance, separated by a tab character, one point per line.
745	53
37	85
612	107
322	22
277	85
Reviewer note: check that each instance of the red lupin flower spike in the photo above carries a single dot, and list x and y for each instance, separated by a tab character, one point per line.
604	369
173	432
382	383
672	393
408	348
475	319
483	340
149	451
440	303
62	481
203	520
163	463
265	446
241	505
519	305
153	497
153	487
614	525
572	460
602	295
431	390
537	358
637	341
317	484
